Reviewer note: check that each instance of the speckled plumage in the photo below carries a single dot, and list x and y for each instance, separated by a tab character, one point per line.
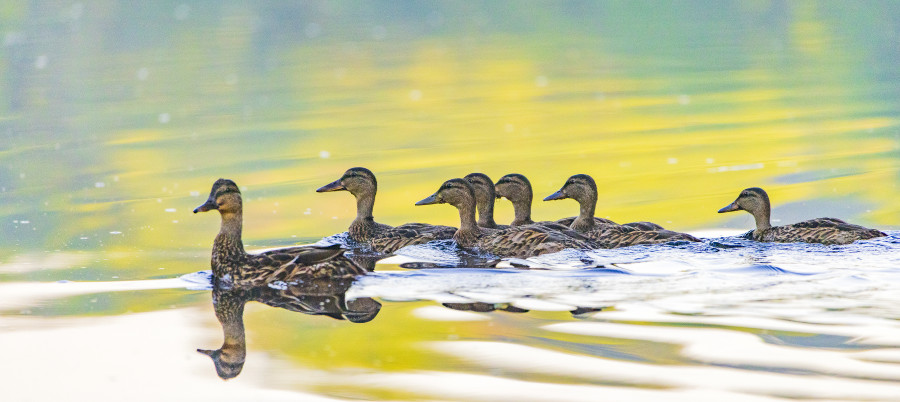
582	188
520	242
232	263
821	230
377	236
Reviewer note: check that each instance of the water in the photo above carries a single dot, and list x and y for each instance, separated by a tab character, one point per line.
115	118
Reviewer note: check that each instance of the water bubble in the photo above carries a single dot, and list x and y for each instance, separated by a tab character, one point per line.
672	161
170	209
415	95
115	232
41	62
379	32
710	160
195	193
143	73
99	184
509	128
684	99
541	81
312	30
182	12
76	11
324	154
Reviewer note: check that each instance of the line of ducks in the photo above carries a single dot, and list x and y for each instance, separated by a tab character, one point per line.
476	192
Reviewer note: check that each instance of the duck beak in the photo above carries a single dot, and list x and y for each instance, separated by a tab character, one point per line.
333	186
432	199
559	195
731	207
208	205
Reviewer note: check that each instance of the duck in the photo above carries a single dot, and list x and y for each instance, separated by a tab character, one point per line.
513	242
517	189
379	237
484	200
230	262
820	230
582	188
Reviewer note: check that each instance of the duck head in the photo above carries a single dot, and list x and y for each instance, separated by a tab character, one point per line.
225	197
750	200
456	192
755	201
579	187
514	187
358	181
517	189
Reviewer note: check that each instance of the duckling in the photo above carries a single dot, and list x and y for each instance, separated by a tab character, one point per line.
582	188
821	230
516	188
484	199
514	242
379	237
229	260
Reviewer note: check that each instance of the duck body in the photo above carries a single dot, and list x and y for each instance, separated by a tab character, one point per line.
231	263
607	234
821	230
376	236
517	242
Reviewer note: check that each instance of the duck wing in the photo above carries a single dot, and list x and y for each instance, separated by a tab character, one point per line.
820	230
597	221
624	236
408	234
529	241
295	264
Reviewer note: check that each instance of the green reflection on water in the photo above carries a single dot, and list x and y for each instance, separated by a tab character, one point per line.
116	117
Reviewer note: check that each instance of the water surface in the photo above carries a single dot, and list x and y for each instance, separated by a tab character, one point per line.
115	119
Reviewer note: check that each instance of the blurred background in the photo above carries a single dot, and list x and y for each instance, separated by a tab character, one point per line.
117	116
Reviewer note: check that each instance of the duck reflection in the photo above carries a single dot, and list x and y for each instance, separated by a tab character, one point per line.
481	307
315	297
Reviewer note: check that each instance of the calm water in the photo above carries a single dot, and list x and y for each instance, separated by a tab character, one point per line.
115	119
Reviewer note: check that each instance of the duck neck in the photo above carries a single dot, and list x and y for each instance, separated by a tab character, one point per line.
228	244
468	230
585	220
762	217
364	224
522	208
486	213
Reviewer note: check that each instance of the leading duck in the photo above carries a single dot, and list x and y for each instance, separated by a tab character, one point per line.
514	242
820	230
379	237
230	262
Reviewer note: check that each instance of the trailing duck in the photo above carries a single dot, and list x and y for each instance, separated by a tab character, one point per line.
821	230
514	242
379	237
582	188
230	262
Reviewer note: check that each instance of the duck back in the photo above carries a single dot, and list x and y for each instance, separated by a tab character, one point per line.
390	240
820	230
